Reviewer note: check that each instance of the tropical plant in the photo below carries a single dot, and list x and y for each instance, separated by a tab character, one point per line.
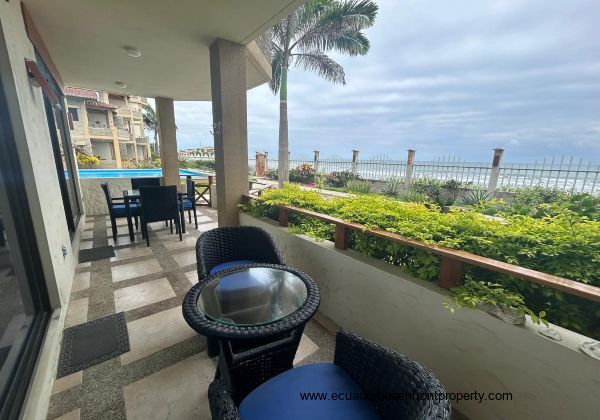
303	173
271	173
428	186
474	293
151	123
359	186
301	40
339	179
393	186
453	187
475	198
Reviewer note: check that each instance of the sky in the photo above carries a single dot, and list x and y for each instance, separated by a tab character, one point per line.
446	78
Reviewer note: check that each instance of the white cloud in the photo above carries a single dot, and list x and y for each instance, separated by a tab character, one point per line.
443	77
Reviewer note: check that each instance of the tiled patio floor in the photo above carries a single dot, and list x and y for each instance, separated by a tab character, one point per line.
166	373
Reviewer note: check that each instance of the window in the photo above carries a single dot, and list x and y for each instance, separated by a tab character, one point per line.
63	151
24	306
74	114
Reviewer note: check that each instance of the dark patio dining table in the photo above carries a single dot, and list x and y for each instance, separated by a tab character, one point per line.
257	313
134	195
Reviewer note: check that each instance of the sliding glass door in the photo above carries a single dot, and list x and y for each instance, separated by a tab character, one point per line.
24	307
64	156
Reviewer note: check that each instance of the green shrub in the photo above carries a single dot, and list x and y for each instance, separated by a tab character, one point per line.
393	186
206	165
339	179
271	173
476	198
474	293
184	162
413	197
303	173
428	186
564	244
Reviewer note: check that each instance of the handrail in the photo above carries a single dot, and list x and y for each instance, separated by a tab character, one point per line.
452	260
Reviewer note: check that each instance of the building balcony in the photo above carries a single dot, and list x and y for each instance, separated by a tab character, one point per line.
129	111
142	140
122	133
100	131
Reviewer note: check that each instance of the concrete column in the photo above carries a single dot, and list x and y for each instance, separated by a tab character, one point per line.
168	141
115	137
317	161
410	160
266	161
495	173
228	84
354	161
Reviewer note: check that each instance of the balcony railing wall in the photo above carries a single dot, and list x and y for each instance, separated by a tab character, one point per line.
469	350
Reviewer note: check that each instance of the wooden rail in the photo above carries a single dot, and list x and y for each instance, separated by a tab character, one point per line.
452	260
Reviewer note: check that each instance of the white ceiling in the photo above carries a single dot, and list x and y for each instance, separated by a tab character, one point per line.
85	39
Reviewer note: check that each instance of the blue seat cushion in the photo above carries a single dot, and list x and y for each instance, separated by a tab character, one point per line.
119	210
187	204
280	397
230	264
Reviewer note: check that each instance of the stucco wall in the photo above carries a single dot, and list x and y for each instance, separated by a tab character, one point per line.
468	350
94	201
35	154
26	107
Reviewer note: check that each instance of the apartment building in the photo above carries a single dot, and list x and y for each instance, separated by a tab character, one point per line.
205	152
107	125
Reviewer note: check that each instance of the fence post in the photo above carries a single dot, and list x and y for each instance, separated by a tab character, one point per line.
316	162
410	160
354	161
495	173
451	272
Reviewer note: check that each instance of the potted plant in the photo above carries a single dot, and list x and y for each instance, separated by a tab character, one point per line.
507	305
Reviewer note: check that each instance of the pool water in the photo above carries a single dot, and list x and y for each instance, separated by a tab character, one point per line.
131	173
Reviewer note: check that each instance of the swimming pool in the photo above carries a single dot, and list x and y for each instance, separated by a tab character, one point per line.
131	173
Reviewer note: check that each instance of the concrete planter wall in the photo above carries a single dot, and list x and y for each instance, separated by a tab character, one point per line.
94	202
469	350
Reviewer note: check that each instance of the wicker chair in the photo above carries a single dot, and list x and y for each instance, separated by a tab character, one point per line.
236	243
376	370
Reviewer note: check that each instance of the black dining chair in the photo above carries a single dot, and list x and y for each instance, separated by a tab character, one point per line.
227	247
159	204
118	208
188	201
136	183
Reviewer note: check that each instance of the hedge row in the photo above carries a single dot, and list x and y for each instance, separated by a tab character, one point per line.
564	245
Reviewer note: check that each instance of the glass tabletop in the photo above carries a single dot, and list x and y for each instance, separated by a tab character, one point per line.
253	296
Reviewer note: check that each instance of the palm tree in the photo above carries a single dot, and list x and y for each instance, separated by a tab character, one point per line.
151	123
301	40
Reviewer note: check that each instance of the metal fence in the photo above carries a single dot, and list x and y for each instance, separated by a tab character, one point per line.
565	174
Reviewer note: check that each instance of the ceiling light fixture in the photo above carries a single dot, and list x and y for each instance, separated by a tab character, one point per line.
133	52
122	85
